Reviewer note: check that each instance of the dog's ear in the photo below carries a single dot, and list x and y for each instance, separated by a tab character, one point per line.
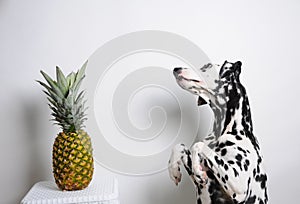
237	68
201	101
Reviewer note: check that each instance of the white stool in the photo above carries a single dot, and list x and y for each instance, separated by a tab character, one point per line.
103	191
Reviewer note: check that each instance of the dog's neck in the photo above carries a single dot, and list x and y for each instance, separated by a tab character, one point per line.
218	106
231	111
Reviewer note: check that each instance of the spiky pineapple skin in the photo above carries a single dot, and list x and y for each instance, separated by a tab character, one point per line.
72	159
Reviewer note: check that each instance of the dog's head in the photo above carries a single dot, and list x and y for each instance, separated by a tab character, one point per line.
230	72
189	79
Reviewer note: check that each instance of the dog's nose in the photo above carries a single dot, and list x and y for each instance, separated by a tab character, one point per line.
177	69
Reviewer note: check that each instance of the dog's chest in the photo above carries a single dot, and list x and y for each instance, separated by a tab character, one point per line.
238	151
215	192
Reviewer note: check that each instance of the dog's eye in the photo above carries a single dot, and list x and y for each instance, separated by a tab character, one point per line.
225	74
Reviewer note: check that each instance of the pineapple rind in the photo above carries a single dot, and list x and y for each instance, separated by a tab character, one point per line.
73	169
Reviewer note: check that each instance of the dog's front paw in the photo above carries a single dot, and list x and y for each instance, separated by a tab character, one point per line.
175	162
201	177
199	173
174	172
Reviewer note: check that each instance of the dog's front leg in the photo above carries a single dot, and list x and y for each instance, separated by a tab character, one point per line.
180	155
234	182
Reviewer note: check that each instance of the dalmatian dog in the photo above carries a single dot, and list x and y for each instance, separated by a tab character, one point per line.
227	166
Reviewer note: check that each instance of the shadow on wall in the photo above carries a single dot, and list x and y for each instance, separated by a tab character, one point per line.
38	133
168	193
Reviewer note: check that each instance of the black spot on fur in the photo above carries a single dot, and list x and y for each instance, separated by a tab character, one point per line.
245	167
259	160
223	152
189	163
230	162
210	175
229	143
239	165
239	157
247	162
217	194
225	167
205	163
219	161
251	200
249	181
210	163
221	145
266	196
199	201
262	179
241	150
258	170
238	137
235	172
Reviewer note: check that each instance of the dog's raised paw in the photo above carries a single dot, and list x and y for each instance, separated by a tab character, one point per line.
175	162
174	172
201	177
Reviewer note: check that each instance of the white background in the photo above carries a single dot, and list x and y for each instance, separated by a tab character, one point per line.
36	35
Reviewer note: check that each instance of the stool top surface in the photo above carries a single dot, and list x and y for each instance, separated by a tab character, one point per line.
47	192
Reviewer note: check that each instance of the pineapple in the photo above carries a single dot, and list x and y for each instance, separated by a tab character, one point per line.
72	158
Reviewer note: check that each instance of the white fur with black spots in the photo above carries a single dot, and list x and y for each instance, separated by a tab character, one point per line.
226	167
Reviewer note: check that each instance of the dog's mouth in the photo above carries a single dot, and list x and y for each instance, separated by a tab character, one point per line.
179	75
191	82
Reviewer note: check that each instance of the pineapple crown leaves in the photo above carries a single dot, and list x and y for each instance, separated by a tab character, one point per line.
65	100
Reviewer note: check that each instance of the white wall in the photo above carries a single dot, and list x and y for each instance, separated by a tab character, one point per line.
36	35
